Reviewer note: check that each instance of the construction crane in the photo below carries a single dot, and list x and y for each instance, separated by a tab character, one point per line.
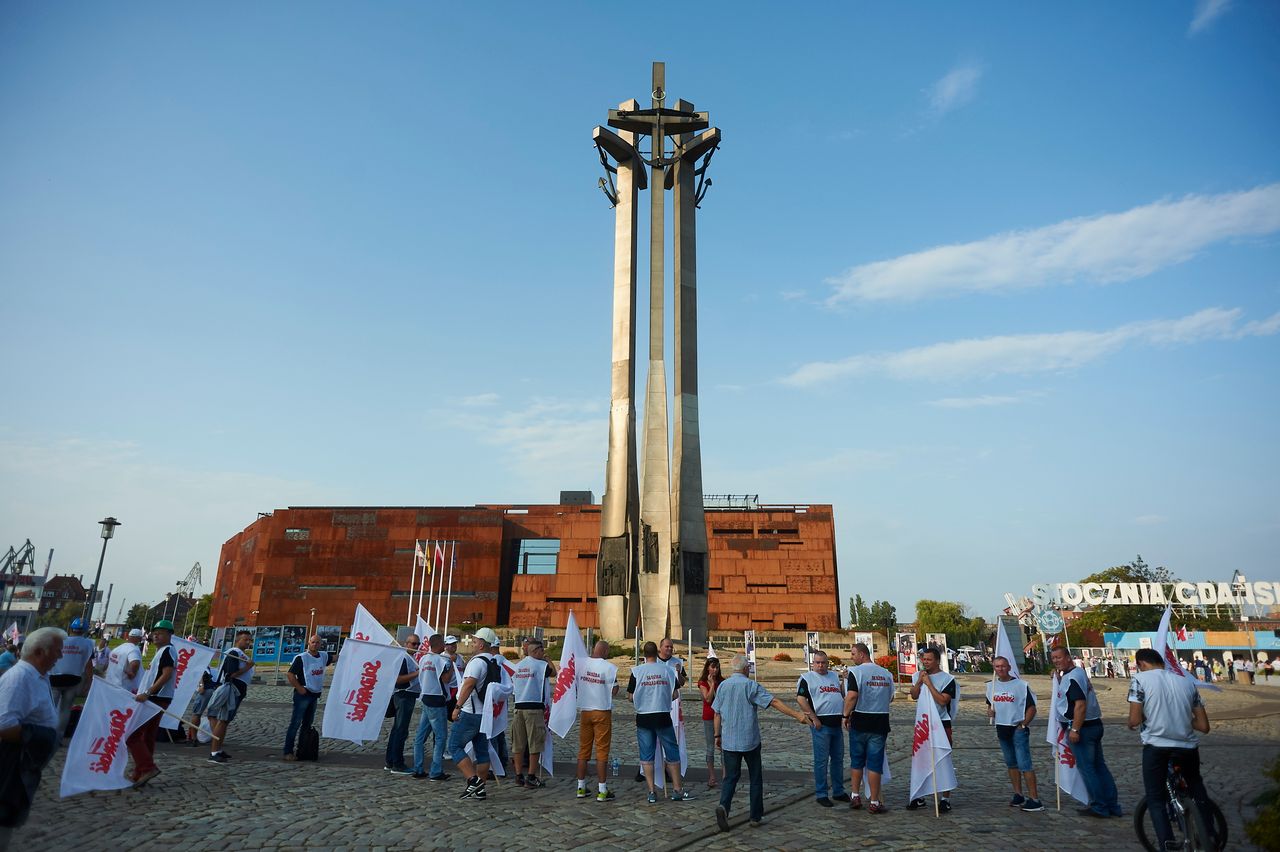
15	563
188	586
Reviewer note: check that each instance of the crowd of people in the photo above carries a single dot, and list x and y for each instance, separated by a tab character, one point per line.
55	667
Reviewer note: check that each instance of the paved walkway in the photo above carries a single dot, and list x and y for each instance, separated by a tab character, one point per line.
346	800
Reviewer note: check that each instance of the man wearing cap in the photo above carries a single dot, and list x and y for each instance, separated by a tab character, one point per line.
72	673
467	716
403	699
435	674
306	676
532	681
157	687
124	663
452	687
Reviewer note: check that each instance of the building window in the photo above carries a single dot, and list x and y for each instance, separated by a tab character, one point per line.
297	534
537	555
325	588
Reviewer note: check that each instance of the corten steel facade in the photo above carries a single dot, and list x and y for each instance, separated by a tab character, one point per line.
771	568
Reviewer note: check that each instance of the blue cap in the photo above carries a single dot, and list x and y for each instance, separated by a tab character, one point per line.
77	624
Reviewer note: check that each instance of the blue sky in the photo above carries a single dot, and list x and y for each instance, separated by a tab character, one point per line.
1000	283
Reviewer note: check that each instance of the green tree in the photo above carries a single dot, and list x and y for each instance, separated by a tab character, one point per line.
883	616
62	616
859	612
951	618
197	620
1102	619
137	616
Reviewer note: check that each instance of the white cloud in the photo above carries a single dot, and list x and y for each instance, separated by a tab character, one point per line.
974	401
1108	248
480	400
550	443
956	88
1024	354
1207	11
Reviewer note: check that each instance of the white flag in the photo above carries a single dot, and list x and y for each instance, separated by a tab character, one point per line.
930	751
494	717
546	758
190	661
1003	650
362	685
97	756
659	759
13	634
366	628
419	556
564	698
711	652
1065	771
884	779
1171	665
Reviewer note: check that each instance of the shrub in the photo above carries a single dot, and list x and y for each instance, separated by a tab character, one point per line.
890	662
511	655
782	657
833	660
1264	829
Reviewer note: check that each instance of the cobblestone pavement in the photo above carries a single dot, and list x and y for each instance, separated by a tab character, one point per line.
346	800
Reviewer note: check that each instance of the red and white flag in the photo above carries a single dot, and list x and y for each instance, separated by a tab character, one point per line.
419	555
97	755
494	718
12	633
1065	772
931	766
362	685
439	556
190	660
1171	665
366	628
564	695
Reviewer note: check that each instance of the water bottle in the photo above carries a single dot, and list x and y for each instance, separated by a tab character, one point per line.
615	767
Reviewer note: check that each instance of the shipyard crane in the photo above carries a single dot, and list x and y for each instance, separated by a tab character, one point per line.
188	586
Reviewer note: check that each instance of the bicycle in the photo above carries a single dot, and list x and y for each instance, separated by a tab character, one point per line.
1188	824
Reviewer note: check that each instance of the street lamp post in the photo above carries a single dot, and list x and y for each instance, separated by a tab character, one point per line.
255	617
311	627
108	530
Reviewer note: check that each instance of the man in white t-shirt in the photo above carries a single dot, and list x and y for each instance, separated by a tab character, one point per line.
467	715
72	673
124	663
1168	710
820	694
597	686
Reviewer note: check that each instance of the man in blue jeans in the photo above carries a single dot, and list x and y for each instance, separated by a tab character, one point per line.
403	699
820	695
306	676
435	672
1077	707
737	732
868	694
1012	705
653	686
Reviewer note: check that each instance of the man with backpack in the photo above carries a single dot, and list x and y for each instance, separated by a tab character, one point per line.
482	670
306	676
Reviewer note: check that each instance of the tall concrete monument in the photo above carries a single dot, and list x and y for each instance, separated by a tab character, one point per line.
651	571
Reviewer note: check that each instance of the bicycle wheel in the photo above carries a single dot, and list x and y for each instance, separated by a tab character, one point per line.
1219	826
1146	831
1198	837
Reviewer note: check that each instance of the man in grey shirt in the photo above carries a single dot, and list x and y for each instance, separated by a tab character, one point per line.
737	731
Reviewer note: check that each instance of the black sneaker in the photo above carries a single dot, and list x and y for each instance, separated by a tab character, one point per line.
639	774
519	780
480	794
225	754
722	818
1016	801
532	783
443	776
420	776
824	802
218	758
915	804
1032	805
944	806
475	789
401	770
843	797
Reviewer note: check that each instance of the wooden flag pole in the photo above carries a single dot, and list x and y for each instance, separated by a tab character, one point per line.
933	772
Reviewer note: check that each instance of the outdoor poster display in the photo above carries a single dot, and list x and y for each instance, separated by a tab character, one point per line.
216	636
749	642
266	645
229	638
330	637
293	641
812	642
867	639
939	641
906	656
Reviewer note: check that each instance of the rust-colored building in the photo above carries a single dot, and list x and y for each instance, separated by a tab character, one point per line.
773	567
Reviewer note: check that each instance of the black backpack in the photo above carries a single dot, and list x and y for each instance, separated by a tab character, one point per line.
309	744
492	673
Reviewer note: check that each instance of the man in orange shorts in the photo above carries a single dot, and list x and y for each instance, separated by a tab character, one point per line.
597	685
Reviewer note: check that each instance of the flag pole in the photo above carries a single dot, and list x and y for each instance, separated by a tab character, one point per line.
413	576
1057	763
429	588
453	544
453	560
933	772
